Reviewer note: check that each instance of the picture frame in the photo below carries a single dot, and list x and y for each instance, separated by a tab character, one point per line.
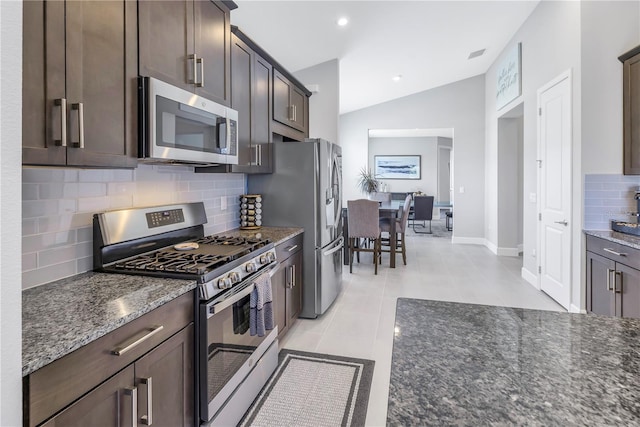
397	167
509	78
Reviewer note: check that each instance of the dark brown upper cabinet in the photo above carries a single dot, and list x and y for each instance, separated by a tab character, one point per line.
187	43
79	83
251	98
290	103
631	110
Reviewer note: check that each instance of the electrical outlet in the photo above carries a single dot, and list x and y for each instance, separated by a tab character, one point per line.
223	203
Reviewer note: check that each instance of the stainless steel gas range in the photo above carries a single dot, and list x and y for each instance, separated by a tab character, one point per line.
233	360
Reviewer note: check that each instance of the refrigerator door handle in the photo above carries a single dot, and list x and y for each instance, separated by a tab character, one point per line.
336	248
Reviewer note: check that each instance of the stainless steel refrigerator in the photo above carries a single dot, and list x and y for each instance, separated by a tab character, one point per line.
305	190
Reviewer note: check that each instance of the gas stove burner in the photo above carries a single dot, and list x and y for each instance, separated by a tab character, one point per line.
176	262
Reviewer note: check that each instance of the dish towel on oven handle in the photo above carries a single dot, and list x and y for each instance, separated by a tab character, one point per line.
261	309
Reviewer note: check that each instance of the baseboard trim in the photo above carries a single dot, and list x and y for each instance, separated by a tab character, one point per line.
531	278
492	247
468	240
508	252
520	248
574	309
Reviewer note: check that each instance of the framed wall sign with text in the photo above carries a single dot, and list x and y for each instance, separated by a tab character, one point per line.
509	84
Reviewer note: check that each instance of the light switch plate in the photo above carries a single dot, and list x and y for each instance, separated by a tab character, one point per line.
223	203
461	189
533	197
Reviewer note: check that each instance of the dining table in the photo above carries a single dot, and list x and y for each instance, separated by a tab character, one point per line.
391	209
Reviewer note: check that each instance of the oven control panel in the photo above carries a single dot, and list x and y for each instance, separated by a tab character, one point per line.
237	274
168	217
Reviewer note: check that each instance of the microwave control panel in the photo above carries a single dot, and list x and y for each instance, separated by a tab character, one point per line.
161	218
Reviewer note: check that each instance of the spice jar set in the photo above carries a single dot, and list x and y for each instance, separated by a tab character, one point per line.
250	211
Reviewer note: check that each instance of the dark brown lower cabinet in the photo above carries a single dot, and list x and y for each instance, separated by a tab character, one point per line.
287	284
613	279
139	374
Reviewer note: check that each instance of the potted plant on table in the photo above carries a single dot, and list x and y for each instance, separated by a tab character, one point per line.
367	182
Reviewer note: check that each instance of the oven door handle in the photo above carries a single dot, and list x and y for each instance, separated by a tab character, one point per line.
219	305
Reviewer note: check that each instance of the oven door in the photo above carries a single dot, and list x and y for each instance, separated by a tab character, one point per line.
228	352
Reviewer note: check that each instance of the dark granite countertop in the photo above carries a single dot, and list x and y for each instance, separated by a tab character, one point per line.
470	365
614	236
62	316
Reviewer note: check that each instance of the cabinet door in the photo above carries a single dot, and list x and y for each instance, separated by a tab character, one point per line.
261	114
297	98
279	289
101	71
43	53
110	404
212	45
631	103
166	41
241	78
281	105
165	381
627	292
294	291
600	280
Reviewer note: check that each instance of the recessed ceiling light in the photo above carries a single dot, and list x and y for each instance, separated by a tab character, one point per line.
396	78
343	21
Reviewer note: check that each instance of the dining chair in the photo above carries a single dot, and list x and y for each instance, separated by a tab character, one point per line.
380	196
401	226
422	211
363	223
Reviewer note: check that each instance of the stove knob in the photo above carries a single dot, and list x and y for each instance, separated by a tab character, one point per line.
233	277
251	267
271	257
224	283
263	259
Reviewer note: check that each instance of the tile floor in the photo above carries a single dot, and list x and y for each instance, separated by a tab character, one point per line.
361	321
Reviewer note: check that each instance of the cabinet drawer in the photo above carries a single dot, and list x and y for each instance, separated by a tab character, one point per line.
289	247
614	251
59	383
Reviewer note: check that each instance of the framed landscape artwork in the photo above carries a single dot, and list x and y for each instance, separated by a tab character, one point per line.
397	167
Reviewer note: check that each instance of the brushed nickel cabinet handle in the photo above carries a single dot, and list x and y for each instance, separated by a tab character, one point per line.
293	276
290	112
292	248
609	271
615	284
194	58
133	392
611	251
79	107
259	155
62	103
122	349
201	82
148	419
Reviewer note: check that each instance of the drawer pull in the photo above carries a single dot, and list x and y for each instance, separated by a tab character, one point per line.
611	251
119	351
292	248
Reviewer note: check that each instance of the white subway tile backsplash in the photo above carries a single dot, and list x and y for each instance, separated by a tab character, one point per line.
58	207
608	197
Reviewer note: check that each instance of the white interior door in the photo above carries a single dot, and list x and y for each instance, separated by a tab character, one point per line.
554	188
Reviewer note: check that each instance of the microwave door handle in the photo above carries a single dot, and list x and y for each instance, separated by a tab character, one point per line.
227	132
221	133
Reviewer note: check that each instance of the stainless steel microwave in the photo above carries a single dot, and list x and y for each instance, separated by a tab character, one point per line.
177	126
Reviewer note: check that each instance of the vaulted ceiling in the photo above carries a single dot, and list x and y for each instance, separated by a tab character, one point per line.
427	43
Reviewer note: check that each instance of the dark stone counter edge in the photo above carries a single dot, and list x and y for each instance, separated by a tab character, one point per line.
616	237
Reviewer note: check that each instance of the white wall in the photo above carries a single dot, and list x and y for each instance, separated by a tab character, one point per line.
550	45
460	106
426	147
324	104
10	161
